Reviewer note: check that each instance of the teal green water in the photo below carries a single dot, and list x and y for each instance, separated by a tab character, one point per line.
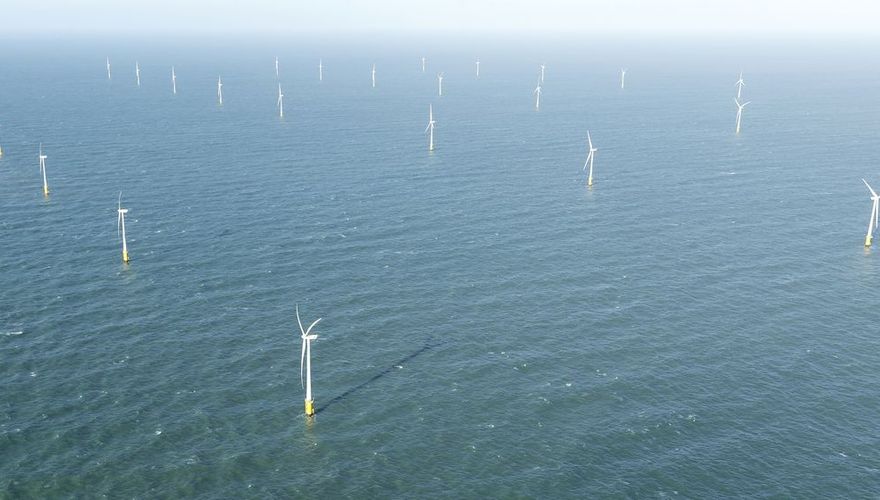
702	323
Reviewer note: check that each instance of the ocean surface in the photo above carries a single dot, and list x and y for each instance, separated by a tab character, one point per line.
702	323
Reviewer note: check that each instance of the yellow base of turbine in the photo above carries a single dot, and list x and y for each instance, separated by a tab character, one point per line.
45	191
310	407
125	256
590	182
868	240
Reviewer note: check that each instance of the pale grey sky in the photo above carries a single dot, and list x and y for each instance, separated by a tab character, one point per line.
781	17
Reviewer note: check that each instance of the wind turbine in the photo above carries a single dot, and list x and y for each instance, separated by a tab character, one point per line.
542	73
872	222
739	112
430	127
108	68
173	81
305	361
538	97
276	67
320	70
423	64
137	72
739	85
220	90
43	171
120	227
590	160
478	67
374	75
622	77
280	102
440	84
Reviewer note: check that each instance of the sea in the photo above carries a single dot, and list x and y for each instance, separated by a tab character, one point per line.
702	322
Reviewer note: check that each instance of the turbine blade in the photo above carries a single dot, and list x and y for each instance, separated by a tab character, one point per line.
301	329
873	194
313	324
302	364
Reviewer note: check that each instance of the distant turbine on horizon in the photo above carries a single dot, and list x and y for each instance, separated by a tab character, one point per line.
872	222
423	64
440	84
538	98
430	128
622	77
739	85
542	72
277	73
739	112
108	68
478	67
120	227
137	72
589	161
173	81
219	90
320	70
374	75
280	102
43	171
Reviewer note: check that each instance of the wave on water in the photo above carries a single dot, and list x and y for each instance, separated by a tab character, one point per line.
8	334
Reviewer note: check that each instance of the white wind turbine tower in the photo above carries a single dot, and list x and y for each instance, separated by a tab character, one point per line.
542	72
374	75
589	161
739	112
538	97
305	362
280	102
120	227
108	68
622	77
173	81
739	85
872	222
320	70
277	73
478	67
219	90
440	84
137	72
430	128
423	64
43	171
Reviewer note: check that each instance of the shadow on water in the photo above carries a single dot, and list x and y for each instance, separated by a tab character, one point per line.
429	344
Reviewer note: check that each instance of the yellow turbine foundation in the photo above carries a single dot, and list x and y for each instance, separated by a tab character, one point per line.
310	407
868	240
45	191
590	181
125	256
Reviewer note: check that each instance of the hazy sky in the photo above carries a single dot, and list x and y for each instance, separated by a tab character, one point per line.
857	17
